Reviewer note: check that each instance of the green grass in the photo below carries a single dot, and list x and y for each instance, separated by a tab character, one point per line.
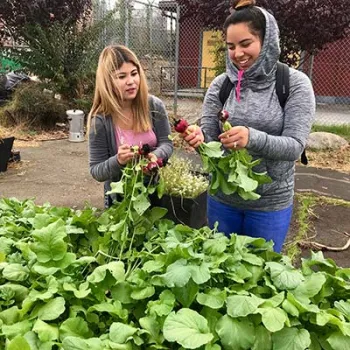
304	213
342	130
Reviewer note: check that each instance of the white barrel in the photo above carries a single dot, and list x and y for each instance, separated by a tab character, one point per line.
76	125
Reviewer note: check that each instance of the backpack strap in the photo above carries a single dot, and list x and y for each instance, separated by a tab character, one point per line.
282	83
282	91
225	90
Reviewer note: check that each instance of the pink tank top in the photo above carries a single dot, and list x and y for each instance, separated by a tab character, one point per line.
133	138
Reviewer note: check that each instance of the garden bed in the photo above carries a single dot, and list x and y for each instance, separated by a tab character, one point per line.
322	221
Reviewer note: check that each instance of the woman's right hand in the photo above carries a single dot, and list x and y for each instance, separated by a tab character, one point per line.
193	136
125	154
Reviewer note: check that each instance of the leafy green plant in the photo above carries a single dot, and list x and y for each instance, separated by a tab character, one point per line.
58	41
172	287
134	187
64	55
181	180
232	171
219	59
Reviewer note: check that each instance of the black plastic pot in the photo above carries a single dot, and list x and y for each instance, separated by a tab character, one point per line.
5	152
191	212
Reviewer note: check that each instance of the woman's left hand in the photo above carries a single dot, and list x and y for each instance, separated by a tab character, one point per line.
152	157
235	138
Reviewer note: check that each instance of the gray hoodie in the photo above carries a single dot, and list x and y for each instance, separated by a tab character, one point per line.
276	136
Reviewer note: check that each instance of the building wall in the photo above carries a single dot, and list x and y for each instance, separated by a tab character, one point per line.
189	53
210	41
331	71
330	75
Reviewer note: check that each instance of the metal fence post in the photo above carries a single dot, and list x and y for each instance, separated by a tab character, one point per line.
312	61
127	34
177	40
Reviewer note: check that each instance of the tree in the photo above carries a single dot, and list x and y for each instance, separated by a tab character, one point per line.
17	14
56	40
305	26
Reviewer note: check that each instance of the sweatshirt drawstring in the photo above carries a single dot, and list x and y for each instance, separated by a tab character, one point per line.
238	87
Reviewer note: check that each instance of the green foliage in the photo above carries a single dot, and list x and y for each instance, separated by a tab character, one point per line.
342	130
31	106
219	53
6	65
173	287
63	54
232	172
59	43
84	103
167	287
134	187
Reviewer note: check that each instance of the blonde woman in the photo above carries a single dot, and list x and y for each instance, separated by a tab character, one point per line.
123	114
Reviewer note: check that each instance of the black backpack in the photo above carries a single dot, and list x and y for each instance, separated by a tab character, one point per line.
282	91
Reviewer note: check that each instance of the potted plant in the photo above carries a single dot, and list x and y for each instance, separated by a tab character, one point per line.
184	192
5	151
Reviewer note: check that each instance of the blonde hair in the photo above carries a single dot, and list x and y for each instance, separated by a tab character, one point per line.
108	98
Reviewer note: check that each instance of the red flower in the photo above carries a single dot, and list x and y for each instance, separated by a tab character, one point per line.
223	115
181	125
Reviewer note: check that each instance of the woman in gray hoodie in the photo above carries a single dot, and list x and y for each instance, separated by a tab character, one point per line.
274	134
123	115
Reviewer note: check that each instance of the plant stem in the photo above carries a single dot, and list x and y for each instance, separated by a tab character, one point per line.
127	218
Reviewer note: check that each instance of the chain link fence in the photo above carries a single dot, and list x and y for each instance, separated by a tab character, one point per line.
329	72
180	58
150	32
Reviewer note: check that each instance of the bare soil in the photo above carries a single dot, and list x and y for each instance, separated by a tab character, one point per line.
331	159
329	226
56	172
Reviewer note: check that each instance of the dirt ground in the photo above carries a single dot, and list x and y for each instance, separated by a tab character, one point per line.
328	226
57	172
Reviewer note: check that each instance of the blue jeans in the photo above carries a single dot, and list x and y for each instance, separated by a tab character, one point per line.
270	225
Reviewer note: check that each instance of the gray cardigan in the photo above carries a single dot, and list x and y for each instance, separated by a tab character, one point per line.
103	148
276	136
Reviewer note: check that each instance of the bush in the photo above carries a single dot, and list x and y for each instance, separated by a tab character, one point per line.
83	104
219	53
31	106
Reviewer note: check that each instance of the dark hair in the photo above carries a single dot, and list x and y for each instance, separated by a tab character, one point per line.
251	15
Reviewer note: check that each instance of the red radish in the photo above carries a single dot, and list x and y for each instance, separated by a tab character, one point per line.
180	125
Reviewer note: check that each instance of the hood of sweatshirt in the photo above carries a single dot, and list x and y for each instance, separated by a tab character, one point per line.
262	72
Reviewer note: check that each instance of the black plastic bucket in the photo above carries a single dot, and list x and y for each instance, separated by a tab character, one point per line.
191	212
5	152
